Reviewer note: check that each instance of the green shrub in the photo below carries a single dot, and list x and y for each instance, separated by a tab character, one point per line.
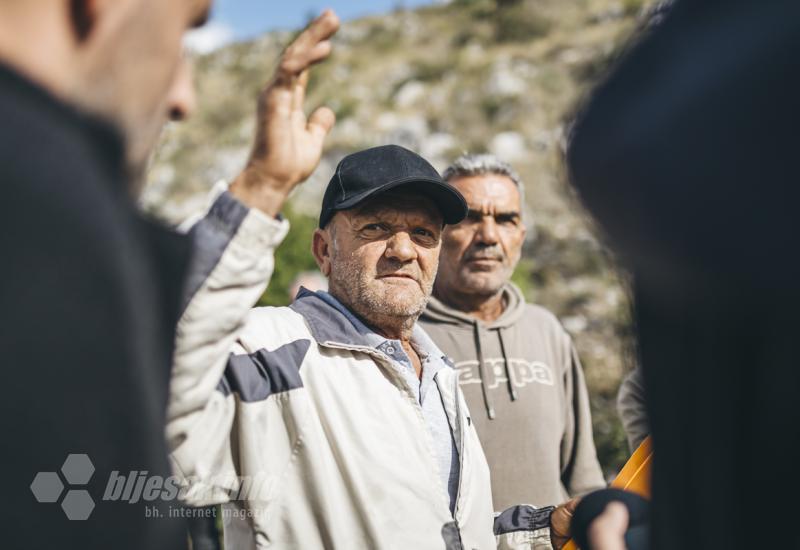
520	23
431	70
491	105
633	7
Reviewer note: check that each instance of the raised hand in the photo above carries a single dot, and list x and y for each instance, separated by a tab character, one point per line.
288	145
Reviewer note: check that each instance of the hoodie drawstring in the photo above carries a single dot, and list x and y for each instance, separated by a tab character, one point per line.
512	390
487	400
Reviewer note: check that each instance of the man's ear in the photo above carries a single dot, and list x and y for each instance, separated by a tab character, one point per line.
321	248
83	15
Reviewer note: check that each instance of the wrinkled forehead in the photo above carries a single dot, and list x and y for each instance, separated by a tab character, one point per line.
494	191
396	203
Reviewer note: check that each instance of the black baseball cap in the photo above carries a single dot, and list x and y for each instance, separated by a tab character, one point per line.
368	173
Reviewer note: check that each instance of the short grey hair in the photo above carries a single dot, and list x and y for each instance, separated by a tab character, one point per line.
469	165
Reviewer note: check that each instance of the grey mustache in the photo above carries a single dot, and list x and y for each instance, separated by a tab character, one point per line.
484	255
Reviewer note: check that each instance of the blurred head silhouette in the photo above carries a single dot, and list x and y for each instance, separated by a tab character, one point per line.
119	59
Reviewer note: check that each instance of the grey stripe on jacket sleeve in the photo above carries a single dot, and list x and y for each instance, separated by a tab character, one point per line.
210	237
258	375
522	517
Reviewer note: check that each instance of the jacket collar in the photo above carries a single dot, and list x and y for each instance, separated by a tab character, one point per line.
332	324
438	311
327	323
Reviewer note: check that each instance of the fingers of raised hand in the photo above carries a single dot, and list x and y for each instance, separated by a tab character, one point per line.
320	123
321	28
311	46
299	91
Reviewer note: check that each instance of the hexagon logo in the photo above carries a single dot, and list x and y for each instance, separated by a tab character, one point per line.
78	504
47	487
77	469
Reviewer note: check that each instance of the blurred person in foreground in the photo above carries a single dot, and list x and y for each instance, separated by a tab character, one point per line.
91	290
520	373
687	156
337	422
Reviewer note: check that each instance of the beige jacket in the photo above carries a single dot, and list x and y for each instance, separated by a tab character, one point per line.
307	436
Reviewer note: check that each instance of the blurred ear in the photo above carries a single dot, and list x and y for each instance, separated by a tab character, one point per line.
83	15
181	98
322	248
86	15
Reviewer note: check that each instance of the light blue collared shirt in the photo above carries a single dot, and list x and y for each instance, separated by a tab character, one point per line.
425	390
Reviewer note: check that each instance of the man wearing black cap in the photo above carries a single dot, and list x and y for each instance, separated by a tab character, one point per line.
336	422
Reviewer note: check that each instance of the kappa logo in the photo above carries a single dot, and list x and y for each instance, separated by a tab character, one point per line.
522	372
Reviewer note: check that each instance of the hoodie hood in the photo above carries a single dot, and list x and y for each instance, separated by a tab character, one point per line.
438	311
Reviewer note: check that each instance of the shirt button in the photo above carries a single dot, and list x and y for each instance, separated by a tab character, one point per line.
390	350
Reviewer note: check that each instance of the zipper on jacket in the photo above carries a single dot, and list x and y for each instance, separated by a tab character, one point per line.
404	387
460	446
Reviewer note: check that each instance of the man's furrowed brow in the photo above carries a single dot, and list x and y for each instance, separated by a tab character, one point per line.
472	213
393	210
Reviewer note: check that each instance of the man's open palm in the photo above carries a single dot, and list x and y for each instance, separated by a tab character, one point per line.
288	145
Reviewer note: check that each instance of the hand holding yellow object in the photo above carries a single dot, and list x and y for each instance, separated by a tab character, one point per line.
634	476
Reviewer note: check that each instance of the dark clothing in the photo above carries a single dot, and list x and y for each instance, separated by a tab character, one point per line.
90	295
688	157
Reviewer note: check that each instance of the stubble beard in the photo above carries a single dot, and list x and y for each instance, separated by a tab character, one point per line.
378	303
483	283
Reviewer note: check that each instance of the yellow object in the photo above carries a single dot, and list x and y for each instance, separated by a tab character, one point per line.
634	476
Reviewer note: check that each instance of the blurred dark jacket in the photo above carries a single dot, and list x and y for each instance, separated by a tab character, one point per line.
89	296
688	155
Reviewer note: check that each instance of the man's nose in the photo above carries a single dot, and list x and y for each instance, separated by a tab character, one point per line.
487	231
400	247
182	99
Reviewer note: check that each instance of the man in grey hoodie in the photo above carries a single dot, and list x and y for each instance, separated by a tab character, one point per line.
519	372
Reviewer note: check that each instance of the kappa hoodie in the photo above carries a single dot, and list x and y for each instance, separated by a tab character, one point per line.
523	383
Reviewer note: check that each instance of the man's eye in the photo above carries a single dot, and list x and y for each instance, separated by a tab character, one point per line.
425	235
374	228
507	220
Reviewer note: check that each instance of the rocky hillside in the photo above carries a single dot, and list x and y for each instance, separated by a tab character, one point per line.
480	75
